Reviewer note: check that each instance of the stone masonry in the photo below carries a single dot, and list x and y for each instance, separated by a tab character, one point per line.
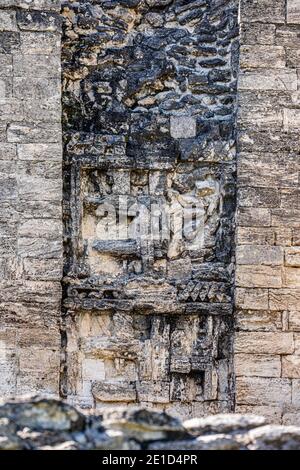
267	347
30	197
178	103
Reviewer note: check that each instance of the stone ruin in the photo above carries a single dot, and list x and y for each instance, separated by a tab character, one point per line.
174	103
47	424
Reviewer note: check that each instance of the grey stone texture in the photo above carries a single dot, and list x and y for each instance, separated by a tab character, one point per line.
149	95
44	424
31	195
266	351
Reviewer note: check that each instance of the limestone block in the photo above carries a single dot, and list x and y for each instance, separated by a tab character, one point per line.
289	198
291	119
40	152
296	392
34	4
153	391
45	66
93	369
263	391
40	43
114	391
291	277
41	228
29	87
34	382
5	90
182	127
40	209
287	36
294	320
293	12
42	270
10	107
297	343
39	188
293	57
259	255
43	110
268	142
258	276
291	366
257	33
7	151
284	299
5	65
255	299
31	133
39	248
47	171
264	343
37	359
8	189
9	368
257	320
8	20
263	11
290	416
253	217
267	170
262	57
39	371
280	218
258	197
255	365
256	236
295	237
272	413
269	80
283	236
292	256
258	117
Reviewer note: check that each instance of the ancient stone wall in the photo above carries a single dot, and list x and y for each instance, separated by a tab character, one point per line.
267	354
151	116
30	196
149	110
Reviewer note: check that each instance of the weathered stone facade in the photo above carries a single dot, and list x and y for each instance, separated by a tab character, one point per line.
149	105
267	355
160	99
30	196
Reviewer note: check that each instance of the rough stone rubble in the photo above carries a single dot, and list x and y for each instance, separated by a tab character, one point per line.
267	285
41	424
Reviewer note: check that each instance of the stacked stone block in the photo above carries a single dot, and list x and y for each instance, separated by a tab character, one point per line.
30	196
267	355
